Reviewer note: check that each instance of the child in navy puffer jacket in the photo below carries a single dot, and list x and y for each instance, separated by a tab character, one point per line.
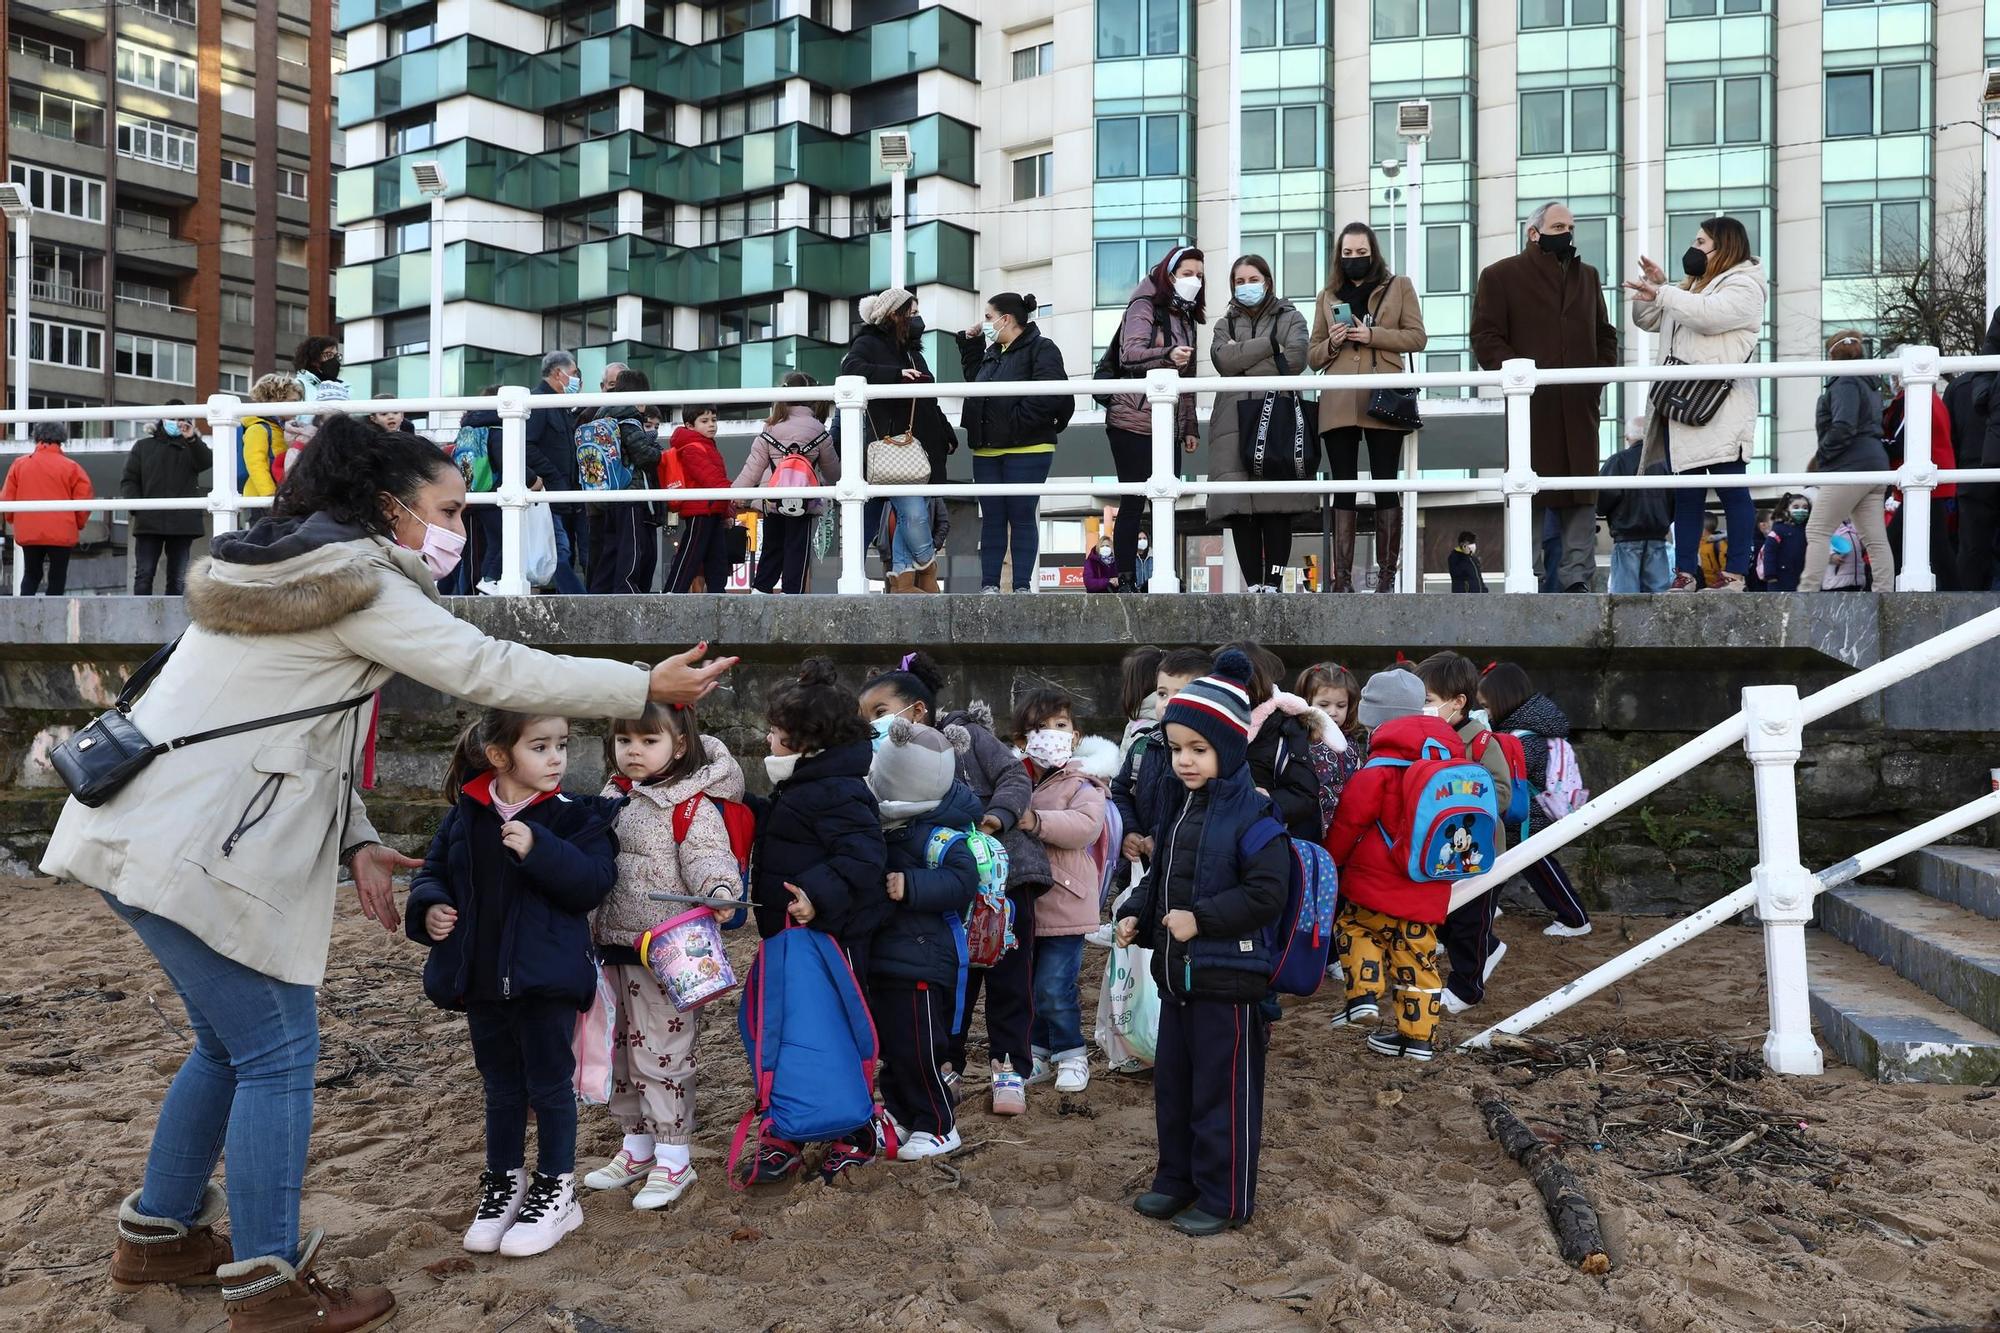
504	902
917	963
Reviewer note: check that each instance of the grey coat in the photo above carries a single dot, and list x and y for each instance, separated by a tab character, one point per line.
1244	346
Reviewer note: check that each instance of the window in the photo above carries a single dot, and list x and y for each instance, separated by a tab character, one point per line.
161	71
406	335
1276	137
1031	62
235	170
1299	270
154	359
237	237
411	134
1852	109
150	221
1590	120
726	326
1850	245
1549	13
1700	9
67	276
413	32
1593	242
1034	176
156	141
1130	146
239	307
1119	265
744	115
55	50
656	324
734	16
1742	110
142	293
53	114
1268	23
1902	236
576	124
233	379
291	183
574	225
1401	18
292	250
1444	263
1138	27
1541	122
56	344
1543	125
291	317
52	191
1902	99
755	216
405	232
1693	116
173	11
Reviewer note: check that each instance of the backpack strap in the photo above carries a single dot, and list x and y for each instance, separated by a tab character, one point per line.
1259	835
754	1014
840	972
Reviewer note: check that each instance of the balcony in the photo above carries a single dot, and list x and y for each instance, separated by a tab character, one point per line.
73	295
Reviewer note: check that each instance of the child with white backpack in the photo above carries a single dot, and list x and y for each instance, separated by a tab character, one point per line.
1514	705
793	449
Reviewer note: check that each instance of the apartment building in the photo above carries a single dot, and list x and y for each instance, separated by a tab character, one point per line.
178	156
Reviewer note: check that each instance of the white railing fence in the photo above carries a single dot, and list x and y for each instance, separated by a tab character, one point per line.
1515	487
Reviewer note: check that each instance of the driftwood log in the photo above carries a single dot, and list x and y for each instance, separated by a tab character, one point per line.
1571	1211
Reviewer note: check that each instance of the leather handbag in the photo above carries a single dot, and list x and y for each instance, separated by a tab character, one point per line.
1395	408
97	761
898	460
1688	402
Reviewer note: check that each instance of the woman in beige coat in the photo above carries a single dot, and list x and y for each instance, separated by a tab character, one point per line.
1710	319
223	856
1258	327
1382	324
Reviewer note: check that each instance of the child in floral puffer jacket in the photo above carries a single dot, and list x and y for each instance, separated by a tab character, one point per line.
660	763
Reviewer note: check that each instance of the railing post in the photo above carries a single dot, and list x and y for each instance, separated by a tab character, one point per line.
1775	726
226	446
850	399
1920	376
1163	486
513	489
1517	385
1409	578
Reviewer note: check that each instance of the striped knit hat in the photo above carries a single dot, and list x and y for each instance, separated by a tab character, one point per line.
1218	708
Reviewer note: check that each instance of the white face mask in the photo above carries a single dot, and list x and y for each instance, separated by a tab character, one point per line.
1050	748
1144	544
1187	289
779	766
1482	717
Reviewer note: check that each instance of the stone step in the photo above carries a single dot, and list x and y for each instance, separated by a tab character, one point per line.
1968	876
1943	949
1888	1029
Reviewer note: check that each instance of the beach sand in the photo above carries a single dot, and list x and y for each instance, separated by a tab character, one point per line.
1382	1204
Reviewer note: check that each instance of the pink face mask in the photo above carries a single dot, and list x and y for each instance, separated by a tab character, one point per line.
441	549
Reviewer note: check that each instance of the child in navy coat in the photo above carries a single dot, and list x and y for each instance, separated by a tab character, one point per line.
917	962
504	902
1204	908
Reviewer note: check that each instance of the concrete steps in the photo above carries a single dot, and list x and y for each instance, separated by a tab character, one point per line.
1887	1028
1943	949
1967	876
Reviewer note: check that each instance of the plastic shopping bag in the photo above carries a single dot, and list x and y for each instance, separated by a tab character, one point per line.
1128	1010
596	1031
538	546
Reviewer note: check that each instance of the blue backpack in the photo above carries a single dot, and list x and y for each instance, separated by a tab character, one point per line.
1299	939
1451	817
471	454
811	1043
600	457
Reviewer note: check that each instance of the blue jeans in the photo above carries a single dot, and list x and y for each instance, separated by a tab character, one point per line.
1739	516
912	547
1641	566
1009	520
1058	1027
567	579
245	1088
523	1051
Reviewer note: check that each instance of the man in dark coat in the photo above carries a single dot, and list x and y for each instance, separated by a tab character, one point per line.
1547	304
552	462
165	464
1975	432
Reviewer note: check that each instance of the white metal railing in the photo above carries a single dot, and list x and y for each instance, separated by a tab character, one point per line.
66	293
1515	486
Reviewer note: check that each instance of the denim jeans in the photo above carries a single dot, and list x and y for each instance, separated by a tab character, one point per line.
246	1087
567	579
523	1052
1009	521
1641	566
912	546
1739	515
147	551
1058	1027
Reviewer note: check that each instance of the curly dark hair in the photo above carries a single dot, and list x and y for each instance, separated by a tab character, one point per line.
815	711
916	681
1039	706
313	351
350	465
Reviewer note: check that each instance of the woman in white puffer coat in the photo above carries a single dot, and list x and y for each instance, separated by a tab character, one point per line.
1711	318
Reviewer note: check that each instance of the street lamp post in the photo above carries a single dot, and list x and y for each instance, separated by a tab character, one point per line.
1413	125
14	204
892	150
431	183
1989	107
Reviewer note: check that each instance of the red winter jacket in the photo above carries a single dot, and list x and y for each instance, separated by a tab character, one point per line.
701	464
46	474
1370	875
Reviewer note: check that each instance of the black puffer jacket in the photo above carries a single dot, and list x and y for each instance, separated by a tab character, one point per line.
877	357
1280	760
924	936
1538	721
821	830
1011	423
1001	784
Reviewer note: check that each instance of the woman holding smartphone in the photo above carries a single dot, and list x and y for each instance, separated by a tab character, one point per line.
1364	322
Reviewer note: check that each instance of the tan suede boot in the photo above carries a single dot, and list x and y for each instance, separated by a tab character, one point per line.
271	1296
903	582
926	577
160	1250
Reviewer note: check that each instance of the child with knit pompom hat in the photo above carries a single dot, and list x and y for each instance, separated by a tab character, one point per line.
1205	908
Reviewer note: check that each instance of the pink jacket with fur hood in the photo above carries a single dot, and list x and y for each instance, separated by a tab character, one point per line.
1069	819
650	861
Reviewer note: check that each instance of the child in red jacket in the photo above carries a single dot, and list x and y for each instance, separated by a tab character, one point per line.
1387	930
704	547
47	538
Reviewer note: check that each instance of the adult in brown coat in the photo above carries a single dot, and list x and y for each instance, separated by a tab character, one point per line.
1547	304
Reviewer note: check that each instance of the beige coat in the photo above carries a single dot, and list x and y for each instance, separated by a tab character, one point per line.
239	840
1243	346
1399	330
650	861
1715	326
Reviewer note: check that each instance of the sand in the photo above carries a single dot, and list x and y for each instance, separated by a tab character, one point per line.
1382	1203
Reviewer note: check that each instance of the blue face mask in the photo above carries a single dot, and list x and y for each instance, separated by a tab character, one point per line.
1249	293
880	726
575	385
171	429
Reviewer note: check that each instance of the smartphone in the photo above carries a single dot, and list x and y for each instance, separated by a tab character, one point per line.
1343	314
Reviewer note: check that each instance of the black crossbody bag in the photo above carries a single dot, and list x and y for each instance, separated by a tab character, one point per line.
96	762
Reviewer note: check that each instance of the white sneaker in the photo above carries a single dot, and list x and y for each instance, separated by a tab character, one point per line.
549	1213
1561	931
619	1172
489	587
1336	973
663	1186
924	1144
1452	1004
1041	1071
1104	937
1073	1073
501	1195
1493	961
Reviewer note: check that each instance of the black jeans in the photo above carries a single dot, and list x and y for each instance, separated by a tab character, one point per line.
1978	516
146	552
1343	458
1263	543
1010	998
35	558
703	553
523	1051
623	549
1132	455
787	550
912	1025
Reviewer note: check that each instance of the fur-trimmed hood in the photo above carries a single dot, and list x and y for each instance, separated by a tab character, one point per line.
291	576
1291	705
1095	757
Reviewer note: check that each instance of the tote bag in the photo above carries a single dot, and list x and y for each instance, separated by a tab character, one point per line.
538	545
